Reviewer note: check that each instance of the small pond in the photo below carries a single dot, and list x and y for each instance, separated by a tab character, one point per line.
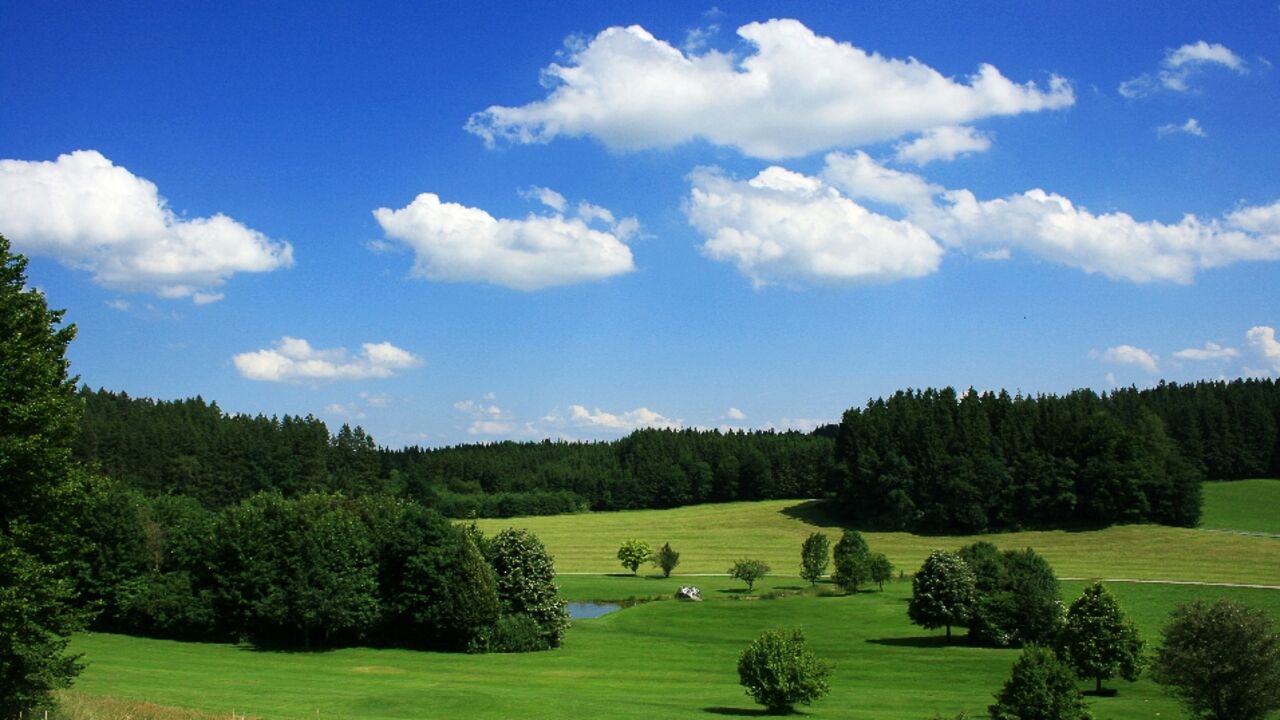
588	610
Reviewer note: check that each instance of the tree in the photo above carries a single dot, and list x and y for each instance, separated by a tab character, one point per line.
779	670
39	420
851	555
1222	661
815	555
633	554
748	571
1040	687
942	592
879	569
1098	641
667	559
1017	596
526	575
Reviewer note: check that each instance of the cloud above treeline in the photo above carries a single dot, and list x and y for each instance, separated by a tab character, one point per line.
796	93
456	243
293	360
783	227
90	214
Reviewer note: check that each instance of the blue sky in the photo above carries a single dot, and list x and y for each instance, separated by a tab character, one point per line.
462	222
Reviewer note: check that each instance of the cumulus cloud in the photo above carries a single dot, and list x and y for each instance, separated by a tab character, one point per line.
486	418
734	413
1179	66
1051	227
794	94
942	143
1129	355
1263	341
1190	127
1210	351
294	360
785	227
90	214
627	421
455	243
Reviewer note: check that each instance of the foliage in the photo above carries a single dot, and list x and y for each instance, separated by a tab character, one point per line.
779	670
1098	641
1222	661
468	605
667	559
748	571
525	581
1017	596
40	503
879	569
851	556
815	555
517	633
1040	687
942	592
634	553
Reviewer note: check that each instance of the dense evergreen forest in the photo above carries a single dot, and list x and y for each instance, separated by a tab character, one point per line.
929	460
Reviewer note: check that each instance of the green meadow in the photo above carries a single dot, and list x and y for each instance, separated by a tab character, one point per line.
1244	505
671	659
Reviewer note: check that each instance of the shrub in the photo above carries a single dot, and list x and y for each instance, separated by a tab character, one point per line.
778	671
517	633
526	574
1040	687
667	559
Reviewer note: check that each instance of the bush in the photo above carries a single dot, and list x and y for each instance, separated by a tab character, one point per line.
526	574
517	633
749	571
778	671
1040	687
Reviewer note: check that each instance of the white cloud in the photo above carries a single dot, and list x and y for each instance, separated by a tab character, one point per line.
486	419
118	304
795	94
630	420
1263	341
1190	127
345	411
377	400
942	143
1179	66
734	413
784	227
455	243
1051	227
546	196
1111	379
90	214
294	360
1129	355
1210	351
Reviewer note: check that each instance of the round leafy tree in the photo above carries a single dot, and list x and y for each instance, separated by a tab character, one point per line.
526	582
779	670
1040	687
851	556
1098	641
942	592
1222	661
815	555
633	554
749	571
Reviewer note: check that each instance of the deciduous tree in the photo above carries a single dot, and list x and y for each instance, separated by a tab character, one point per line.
1040	687
749	571
779	670
942	592
634	553
1098	641
815	556
667	559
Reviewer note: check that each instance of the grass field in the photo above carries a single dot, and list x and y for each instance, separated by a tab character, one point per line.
710	537
1245	505
670	659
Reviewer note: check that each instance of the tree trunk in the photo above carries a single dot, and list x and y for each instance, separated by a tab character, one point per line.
1099	688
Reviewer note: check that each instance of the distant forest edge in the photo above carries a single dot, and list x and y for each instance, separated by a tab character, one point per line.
922	460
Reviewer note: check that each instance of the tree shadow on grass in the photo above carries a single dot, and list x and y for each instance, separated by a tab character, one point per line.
733	591
815	512
739	712
1105	693
923	641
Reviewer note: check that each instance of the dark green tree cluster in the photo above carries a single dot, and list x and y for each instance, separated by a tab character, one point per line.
937	460
856	565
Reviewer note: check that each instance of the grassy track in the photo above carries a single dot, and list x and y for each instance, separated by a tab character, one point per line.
1246	505
710	537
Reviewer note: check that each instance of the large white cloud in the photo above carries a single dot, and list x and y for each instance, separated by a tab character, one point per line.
598	419
1051	227
797	93
942	143
1130	355
1263	341
1210	351
89	214
294	360
784	227
1179	66
455	243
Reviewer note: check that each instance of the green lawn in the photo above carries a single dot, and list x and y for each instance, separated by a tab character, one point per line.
710	537
1248	505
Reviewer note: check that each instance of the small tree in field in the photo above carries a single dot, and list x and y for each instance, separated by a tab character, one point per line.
1039	688
815	554
748	571
1098	641
779	670
633	554
879	569
851	555
667	559
1222	661
942	592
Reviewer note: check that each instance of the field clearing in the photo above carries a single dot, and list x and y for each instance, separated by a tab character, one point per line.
1245	505
710	537
660	659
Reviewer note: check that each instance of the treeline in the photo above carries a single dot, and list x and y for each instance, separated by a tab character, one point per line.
192	448
937	460
316	570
